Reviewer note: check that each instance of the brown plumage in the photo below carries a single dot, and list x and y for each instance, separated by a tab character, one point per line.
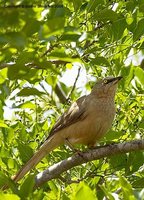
85	122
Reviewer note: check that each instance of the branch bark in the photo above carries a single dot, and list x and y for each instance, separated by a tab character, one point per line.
77	159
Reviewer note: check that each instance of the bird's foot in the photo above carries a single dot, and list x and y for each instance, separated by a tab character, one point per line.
74	150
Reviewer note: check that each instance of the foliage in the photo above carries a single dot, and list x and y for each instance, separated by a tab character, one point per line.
38	44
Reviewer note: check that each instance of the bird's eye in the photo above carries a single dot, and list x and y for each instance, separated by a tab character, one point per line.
105	81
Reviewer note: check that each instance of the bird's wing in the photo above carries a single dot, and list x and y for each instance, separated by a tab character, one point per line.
75	113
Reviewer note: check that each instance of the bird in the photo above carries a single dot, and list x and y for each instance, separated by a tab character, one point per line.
85	122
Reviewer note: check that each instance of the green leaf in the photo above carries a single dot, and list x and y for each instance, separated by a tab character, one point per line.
9	197
141	6
52	26
61	55
119	161
54	23
3	75
42	64
118	28
31	27
107	193
93	4
4	181
129	74
10	163
51	80
53	186
134	162
76	4
126	189
29	91
27	104
102	61
83	191
1	110
25	151
2	124
139	30
112	135
17	71
70	37
142	125
15	39
106	15
27	187
139	183
139	73
130	5
9	18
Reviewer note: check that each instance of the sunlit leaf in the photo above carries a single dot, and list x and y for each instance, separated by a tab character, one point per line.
139	73
3	75
2	124
84	191
126	189
9	197
27	104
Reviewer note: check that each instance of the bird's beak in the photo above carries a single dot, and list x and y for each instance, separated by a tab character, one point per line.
116	79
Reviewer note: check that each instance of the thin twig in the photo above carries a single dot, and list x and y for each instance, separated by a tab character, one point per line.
74	85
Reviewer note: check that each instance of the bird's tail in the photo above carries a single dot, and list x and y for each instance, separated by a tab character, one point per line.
48	146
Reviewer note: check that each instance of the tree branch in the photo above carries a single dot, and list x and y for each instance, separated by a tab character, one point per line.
77	159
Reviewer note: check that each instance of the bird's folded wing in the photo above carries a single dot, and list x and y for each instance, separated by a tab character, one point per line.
76	112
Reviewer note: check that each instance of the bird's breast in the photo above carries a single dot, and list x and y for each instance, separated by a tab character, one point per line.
101	115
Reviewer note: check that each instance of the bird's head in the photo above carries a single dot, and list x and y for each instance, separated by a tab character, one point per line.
106	86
